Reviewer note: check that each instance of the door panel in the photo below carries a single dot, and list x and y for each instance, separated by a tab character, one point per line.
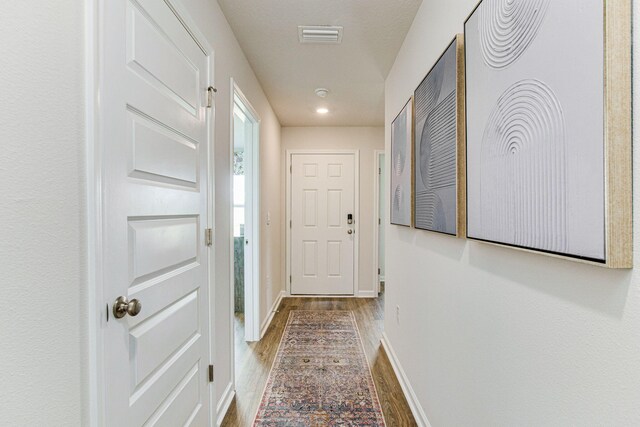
161	245
322	250
155	137
160	154
334	253
154	43
310	208
334	208
310	259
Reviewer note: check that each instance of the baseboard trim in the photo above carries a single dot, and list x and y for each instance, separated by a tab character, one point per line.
320	296
225	403
367	294
272	312
409	394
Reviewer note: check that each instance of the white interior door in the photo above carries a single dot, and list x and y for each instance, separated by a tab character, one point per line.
154	131
322	240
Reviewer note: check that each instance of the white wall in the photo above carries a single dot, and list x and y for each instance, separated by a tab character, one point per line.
42	170
231	62
493	336
42	263
365	139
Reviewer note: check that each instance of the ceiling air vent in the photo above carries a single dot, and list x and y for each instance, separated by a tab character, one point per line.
320	34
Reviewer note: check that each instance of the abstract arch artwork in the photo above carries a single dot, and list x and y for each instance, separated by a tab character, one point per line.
524	158
537	111
437	138
401	170
507	28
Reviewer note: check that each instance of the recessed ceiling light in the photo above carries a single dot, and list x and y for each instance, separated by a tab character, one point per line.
322	92
322	110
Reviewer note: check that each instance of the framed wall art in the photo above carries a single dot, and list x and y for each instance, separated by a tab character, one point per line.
402	167
439	144
549	127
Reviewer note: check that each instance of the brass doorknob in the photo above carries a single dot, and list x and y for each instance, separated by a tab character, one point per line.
122	307
350	231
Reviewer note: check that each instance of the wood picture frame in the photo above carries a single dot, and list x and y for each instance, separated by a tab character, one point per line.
439	145
617	142
618	133
402	165
461	137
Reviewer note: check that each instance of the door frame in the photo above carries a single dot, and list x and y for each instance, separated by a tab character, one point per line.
251	292
378	165
96	308
356	215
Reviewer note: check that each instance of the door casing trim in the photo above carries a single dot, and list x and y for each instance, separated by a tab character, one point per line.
358	229
376	227
252	298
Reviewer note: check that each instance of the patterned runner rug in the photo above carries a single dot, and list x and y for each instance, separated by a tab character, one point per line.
320	376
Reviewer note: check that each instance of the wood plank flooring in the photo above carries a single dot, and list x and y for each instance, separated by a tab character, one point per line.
254	360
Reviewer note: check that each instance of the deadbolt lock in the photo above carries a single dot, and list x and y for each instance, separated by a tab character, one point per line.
122	307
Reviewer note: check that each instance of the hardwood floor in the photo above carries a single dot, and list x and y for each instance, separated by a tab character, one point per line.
254	360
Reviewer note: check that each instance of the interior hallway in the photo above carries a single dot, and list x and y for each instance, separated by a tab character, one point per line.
254	360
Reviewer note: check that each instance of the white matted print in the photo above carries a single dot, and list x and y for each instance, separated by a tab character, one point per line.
401	166
535	125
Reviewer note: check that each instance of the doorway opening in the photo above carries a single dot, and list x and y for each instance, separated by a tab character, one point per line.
379	237
245	239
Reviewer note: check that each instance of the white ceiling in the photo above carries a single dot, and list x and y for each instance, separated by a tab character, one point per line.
353	71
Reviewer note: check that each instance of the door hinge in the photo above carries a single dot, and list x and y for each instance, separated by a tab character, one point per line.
378	271
210	373
208	237
290	224
210	91
290	168
379	221
290	279
379	171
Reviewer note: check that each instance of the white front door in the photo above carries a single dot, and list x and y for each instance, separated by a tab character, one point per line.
322	240
154	133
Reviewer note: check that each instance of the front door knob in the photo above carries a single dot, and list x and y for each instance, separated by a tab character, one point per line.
122	307
349	231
